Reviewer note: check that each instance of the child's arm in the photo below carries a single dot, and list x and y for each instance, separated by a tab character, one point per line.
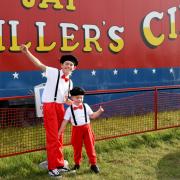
63	125
97	113
33	59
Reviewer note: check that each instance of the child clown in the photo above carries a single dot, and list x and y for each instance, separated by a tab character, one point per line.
79	114
54	95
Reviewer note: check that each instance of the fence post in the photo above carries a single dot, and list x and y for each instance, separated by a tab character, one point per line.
155	109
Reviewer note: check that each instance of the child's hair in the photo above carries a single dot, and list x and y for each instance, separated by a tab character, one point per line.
71	58
77	91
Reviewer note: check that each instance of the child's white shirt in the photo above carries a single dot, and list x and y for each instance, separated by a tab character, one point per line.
50	86
79	115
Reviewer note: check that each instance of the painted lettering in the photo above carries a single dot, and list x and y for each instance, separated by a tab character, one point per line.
68	38
41	44
91	40
118	42
44	4
150	38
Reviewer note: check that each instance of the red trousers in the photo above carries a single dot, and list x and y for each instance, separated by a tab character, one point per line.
80	135
53	117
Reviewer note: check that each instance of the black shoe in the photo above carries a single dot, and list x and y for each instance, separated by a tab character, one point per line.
54	173
95	168
63	170
76	167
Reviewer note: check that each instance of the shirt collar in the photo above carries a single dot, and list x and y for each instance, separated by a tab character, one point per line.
61	74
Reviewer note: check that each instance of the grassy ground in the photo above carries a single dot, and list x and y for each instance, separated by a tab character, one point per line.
149	156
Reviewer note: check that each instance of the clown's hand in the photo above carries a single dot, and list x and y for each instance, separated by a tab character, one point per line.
68	101
101	109
24	48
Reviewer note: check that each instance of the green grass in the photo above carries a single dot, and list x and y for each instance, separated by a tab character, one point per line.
149	156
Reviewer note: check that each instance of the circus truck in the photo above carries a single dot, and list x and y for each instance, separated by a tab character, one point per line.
119	43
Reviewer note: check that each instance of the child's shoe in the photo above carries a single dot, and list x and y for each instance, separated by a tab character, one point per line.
76	167
54	173
95	168
63	169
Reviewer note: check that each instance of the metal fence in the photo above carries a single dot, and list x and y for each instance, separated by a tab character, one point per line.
127	111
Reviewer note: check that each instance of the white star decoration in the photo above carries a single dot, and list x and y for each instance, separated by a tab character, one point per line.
171	70
16	75
43	74
135	71
115	72
153	71
93	73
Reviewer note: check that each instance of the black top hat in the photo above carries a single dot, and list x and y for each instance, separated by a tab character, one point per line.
69	58
76	91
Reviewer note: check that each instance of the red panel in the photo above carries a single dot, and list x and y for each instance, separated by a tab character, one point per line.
126	13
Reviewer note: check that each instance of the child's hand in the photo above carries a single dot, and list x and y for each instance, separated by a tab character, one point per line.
101	109
24	48
68	101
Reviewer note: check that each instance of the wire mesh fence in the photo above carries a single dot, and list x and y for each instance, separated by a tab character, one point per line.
126	112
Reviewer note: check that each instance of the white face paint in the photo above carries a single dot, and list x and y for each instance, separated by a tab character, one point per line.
68	67
77	99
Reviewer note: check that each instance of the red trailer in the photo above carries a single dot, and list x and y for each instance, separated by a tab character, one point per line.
120	44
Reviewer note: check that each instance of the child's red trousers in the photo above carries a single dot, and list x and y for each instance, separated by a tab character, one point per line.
53	117
80	135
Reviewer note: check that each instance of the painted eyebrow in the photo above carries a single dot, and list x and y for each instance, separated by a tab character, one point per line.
69	63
